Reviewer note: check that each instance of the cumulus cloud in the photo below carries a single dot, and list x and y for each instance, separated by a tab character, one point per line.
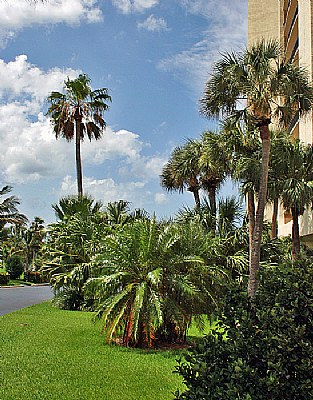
153	24
227	30
30	153
16	15
21	78
108	190
134	6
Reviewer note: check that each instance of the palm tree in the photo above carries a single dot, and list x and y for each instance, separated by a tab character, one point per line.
294	161
258	87
138	291
9	212
71	205
214	165
77	112
243	147
278	139
118	213
182	171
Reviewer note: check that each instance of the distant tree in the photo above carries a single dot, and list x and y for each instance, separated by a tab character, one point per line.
182	171
78	112
71	205
294	161
214	165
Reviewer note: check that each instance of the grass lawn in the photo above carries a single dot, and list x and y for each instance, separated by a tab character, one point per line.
47	354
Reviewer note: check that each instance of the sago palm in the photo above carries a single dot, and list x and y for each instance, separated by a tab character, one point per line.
259	86
78	112
138	290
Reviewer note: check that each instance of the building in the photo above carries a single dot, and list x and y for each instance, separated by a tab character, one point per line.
291	22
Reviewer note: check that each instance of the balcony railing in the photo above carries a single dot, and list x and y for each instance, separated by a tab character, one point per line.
292	23
294	50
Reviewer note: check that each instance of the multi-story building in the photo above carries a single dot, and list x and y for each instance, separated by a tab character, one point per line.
290	22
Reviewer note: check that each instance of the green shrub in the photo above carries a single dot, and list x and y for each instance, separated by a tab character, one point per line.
268	350
68	299
4	278
14	266
33	276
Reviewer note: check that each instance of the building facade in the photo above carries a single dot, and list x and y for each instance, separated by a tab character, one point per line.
291	23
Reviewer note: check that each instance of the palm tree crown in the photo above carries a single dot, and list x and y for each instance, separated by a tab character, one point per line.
78	112
9	212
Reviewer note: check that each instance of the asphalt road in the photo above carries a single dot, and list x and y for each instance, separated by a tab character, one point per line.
12	299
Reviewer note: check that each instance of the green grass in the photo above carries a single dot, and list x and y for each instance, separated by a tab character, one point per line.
47	354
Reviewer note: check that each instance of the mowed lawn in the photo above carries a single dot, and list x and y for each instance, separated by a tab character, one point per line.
47	354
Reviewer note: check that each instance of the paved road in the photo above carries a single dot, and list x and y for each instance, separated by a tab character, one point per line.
12	299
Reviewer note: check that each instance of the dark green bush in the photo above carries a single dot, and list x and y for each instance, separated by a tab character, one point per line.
14	266
33	276
68	299
268	350
4	278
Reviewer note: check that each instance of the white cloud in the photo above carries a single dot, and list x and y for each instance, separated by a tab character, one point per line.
16	15
21	78
30	152
227	30
107	190
134	6
160	198
153	24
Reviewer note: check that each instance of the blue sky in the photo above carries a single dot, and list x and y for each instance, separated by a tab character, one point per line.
153	55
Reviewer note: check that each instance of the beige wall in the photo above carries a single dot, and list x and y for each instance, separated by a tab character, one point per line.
305	59
264	20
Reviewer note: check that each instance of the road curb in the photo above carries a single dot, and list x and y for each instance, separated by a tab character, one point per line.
20	286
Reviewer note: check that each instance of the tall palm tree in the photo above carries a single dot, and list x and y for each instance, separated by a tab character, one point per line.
182	171
77	112
258	86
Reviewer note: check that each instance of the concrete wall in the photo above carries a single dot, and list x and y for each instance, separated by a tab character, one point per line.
264	20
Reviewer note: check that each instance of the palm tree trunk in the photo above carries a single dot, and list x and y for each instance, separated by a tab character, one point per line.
274	219
78	119
212	200
196	196
295	234
254	262
251	217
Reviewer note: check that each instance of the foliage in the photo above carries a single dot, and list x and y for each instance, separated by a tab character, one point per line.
68	298
148	289
33	238
14	266
71	205
4	278
265	350
33	277
73	241
9	212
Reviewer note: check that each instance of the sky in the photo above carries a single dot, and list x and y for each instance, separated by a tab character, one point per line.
154	56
